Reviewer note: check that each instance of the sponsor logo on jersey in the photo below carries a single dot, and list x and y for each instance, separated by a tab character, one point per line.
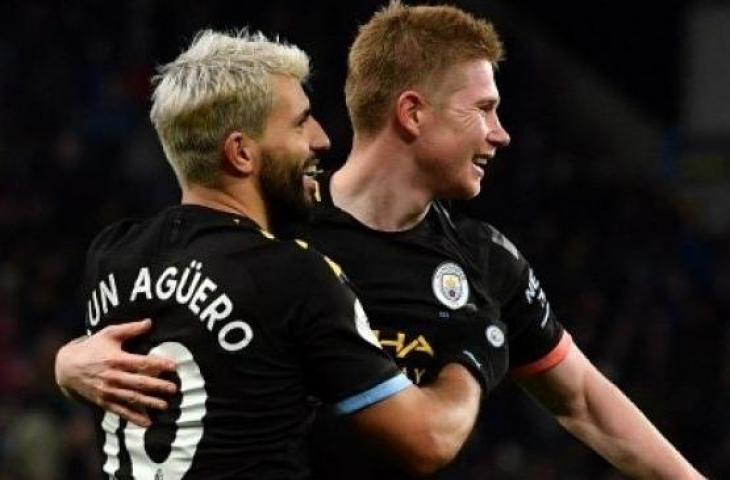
450	285
401	345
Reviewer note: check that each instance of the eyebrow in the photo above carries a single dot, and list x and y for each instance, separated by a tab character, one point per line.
303	116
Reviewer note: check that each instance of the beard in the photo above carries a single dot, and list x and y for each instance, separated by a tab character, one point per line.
282	188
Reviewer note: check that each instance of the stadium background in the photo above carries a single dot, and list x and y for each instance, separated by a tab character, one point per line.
615	187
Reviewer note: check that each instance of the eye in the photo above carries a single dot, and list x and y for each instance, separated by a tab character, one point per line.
487	108
303	118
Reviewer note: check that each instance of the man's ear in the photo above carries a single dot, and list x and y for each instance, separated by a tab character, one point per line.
410	107
240	153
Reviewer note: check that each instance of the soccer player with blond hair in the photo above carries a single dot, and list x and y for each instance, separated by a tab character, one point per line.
423	101
254	324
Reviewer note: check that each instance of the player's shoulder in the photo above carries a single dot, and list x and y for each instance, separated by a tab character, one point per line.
299	256
481	234
494	252
181	227
501	243
291	272
113	234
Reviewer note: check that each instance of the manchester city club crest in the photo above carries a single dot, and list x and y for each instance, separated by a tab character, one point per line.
450	285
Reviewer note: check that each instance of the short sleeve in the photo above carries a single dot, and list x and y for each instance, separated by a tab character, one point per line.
537	339
343	361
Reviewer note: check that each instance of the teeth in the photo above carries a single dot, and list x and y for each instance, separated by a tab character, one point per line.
312	170
481	161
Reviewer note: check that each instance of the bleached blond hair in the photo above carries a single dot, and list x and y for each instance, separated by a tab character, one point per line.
221	83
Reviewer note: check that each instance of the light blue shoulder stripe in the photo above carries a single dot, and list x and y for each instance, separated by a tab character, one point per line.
374	395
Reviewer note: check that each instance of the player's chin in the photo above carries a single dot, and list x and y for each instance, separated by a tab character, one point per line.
474	184
466	189
471	192
461	192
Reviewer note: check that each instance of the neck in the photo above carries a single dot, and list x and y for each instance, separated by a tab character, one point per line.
232	197
379	185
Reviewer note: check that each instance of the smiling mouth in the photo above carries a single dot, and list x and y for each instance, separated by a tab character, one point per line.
481	160
311	168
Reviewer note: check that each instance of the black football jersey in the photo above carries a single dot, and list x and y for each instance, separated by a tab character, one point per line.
412	283
256	325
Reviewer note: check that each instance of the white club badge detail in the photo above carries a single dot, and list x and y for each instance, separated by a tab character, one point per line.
495	336
450	285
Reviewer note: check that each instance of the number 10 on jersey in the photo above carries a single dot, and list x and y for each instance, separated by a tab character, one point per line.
188	427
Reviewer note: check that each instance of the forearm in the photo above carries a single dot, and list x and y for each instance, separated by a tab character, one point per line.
596	412
422	429
607	421
452	403
61	368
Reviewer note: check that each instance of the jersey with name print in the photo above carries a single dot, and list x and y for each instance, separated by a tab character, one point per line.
256	326
412	284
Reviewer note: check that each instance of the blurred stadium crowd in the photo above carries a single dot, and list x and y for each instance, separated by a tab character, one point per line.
644	290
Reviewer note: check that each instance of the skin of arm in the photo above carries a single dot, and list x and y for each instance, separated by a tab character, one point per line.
596	412
422	429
